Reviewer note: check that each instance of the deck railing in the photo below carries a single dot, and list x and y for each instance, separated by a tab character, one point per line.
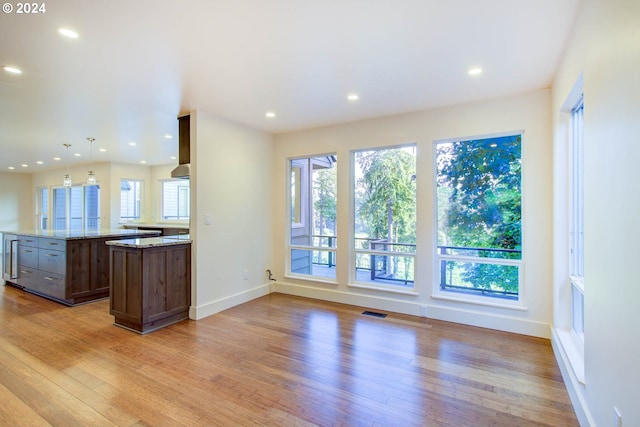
393	262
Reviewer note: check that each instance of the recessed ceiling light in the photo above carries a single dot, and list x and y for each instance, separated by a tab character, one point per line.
173	157
11	69
270	114
143	161
133	144
57	159
353	97
102	150
68	33
168	136
474	71
40	162
77	154
11	168
24	165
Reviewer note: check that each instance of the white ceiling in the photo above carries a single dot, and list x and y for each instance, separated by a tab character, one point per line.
138	64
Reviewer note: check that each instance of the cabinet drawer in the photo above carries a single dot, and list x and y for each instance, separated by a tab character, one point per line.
52	261
51	284
28	256
55	244
27	277
28	241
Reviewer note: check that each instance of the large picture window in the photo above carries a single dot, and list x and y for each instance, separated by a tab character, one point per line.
478	207
312	221
76	207
385	217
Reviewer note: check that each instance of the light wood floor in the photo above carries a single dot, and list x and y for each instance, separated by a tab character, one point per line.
279	360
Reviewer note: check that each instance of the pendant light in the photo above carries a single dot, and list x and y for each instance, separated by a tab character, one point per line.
67	178
91	177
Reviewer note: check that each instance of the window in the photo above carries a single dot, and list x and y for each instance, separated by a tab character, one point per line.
42	202
175	199
130	196
76	207
576	220
312	220
478	207
384	226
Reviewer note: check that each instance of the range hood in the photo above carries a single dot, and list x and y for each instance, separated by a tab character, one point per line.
183	170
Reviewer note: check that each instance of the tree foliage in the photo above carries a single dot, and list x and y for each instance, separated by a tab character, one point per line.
481	179
325	197
479	205
388	197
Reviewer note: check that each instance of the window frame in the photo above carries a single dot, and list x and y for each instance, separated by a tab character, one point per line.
179	218
305	212
42	208
437	292
576	219
67	205
355	252
140	207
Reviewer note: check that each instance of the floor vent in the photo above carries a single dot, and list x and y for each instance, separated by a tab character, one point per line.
374	314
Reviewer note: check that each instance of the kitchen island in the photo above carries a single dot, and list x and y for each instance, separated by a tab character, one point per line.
67	266
150	282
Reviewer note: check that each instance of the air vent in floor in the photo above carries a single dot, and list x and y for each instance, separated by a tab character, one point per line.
374	314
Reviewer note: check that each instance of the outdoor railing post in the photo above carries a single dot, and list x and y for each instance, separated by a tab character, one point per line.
330	242
443	269
373	261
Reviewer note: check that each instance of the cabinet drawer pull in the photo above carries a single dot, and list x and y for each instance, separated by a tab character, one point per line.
52	255
28	250
25	272
52	244
48	278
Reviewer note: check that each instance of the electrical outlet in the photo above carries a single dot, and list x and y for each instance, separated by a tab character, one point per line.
245	274
423	310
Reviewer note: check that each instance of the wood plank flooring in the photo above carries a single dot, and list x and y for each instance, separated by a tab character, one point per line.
278	360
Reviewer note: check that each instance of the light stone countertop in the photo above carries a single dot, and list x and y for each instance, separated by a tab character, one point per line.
151	242
81	234
132	225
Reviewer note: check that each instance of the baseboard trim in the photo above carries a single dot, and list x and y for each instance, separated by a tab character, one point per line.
415	308
222	304
574	388
489	321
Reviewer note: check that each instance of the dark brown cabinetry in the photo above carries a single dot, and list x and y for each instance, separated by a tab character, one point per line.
150	285
68	270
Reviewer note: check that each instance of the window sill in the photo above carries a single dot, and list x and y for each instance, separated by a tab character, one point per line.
574	351
384	289
315	279
484	301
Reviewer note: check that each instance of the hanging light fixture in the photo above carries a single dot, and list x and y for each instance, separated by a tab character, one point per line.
91	177
67	178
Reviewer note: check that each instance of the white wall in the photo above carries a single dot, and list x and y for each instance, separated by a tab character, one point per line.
605	47
17	201
231	170
529	112
16	205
